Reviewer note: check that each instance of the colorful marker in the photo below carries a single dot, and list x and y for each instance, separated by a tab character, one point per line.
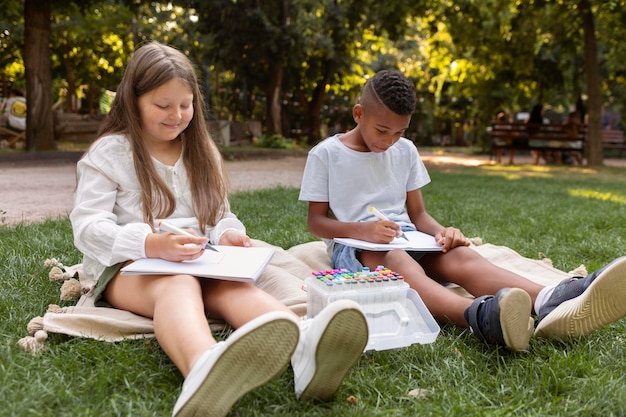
381	216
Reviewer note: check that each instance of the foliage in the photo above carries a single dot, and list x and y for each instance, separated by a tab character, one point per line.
11	46
275	142
83	68
304	61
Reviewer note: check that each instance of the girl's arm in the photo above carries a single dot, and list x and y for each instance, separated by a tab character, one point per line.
321	225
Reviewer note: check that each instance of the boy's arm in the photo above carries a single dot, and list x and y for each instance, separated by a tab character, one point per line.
322	226
448	237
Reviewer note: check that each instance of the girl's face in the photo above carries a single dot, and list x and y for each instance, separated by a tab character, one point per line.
380	127
166	111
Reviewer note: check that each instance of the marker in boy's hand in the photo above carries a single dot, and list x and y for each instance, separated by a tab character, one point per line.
381	216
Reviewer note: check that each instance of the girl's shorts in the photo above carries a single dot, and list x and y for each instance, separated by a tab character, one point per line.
107	275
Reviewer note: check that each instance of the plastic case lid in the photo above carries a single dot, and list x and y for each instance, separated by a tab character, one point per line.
399	324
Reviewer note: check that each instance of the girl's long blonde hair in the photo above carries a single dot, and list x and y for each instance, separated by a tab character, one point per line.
152	65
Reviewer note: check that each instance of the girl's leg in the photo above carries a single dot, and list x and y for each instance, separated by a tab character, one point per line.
181	327
216	374
330	343
238	302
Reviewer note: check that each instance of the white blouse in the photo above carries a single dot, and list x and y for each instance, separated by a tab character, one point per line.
107	218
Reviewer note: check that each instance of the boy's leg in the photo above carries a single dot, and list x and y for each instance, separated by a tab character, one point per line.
503	319
580	305
467	268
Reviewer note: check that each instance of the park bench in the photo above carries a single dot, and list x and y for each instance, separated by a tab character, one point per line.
67	127
9	137
613	139
539	137
76	127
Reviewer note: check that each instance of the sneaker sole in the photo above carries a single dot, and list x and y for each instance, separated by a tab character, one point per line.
336	353
601	304
515	321
249	362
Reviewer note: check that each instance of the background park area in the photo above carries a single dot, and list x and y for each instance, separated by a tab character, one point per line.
286	73
278	76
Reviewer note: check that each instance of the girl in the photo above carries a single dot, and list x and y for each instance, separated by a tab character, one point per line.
155	160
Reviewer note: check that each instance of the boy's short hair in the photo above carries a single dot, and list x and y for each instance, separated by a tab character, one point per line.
392	89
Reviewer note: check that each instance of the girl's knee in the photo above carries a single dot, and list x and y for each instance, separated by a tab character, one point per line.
176	285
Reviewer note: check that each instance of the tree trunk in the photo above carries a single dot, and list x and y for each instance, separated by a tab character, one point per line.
39	122
70	97
314	114
273	122
273	118
594	103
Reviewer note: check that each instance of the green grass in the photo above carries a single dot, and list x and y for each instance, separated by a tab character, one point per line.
571	215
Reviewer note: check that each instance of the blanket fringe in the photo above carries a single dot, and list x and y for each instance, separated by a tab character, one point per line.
35	325
581	271
71	290
73	287
35	342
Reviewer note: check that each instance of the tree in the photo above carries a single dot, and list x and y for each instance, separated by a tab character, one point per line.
594	138
39	123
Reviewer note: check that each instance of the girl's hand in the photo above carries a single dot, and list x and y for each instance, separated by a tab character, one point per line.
450	238
174	247
235	238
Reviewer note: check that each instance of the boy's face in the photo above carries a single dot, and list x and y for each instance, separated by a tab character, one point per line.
380	127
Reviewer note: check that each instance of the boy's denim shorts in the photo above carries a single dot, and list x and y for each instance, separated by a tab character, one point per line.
346	256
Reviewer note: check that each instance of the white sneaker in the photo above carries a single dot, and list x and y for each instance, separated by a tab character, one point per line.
251	356
330	344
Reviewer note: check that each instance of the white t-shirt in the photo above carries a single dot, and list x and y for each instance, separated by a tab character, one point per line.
351	181
107	219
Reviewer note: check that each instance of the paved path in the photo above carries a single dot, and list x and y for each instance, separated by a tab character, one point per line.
35	190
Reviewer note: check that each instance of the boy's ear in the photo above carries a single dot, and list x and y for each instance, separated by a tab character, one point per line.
357	113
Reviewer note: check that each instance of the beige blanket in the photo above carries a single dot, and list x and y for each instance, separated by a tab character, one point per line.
283	278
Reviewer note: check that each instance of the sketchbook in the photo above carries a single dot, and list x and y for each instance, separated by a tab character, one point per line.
233	263
418	242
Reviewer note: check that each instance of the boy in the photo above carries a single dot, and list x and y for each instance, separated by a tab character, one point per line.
373	165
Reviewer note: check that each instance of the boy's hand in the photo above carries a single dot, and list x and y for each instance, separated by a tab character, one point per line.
235	238
451	237
384	231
